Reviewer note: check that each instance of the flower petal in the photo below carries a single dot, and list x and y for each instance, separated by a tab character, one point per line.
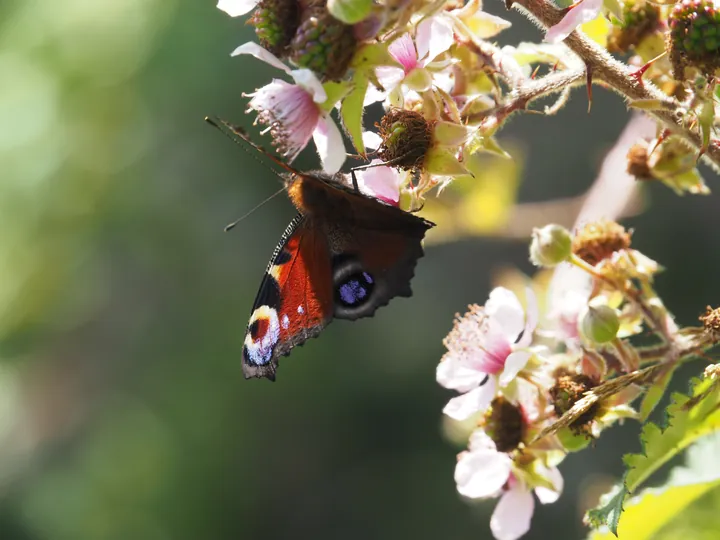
581	13
546	495
465	405
307	79
380	182
371	140
531	318
457	375
513	364
235	8
330	145
434	36
403	50
482	473
253	49
512	515
480	440
504	308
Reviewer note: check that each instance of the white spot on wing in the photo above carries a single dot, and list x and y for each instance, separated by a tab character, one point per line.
285	322
301	310
260	351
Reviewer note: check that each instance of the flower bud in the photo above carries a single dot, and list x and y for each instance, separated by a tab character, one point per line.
694	37
323	44
599	324
550	246
276	22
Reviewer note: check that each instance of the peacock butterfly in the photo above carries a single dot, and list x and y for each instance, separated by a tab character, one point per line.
343	256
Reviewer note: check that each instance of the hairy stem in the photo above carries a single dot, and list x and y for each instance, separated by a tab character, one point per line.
534	89
618	76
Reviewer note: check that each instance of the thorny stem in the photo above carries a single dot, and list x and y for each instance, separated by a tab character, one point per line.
617	75
531	90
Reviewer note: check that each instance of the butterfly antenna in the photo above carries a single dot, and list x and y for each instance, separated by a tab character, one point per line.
246	214
239	136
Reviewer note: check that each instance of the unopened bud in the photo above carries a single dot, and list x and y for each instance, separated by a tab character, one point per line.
599	324
550	246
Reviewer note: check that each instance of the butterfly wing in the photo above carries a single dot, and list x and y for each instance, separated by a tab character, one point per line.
374	253
294	302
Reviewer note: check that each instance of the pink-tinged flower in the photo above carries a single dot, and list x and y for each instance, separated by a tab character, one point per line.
380	182
580	12
568	296
483	472
487	348
235	8
434	36
293	112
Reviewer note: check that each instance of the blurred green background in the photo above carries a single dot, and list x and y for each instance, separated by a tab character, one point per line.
123	305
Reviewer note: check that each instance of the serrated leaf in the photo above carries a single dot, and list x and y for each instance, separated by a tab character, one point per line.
647	513
684	425
650	511
683	428
608	513
351	111
655	394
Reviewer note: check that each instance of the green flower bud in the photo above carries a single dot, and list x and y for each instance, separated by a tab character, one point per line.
550	246
599	324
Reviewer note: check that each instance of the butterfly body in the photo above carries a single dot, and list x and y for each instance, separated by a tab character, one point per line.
343	256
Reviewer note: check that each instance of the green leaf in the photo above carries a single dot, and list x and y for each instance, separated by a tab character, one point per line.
350	11
684	425
335	91
373	55
647	513
655	394
351	111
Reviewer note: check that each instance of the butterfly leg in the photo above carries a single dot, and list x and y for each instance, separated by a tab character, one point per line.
354	179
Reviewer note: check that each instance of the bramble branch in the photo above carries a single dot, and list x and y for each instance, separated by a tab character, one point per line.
618	76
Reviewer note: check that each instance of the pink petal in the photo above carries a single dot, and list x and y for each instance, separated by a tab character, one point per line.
290	111
582	13
307	79
253	49
477	400
403	50
546	495
504	308
235	8
380	182
512	515
457	375
330	145
513	364
482	473
434	37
